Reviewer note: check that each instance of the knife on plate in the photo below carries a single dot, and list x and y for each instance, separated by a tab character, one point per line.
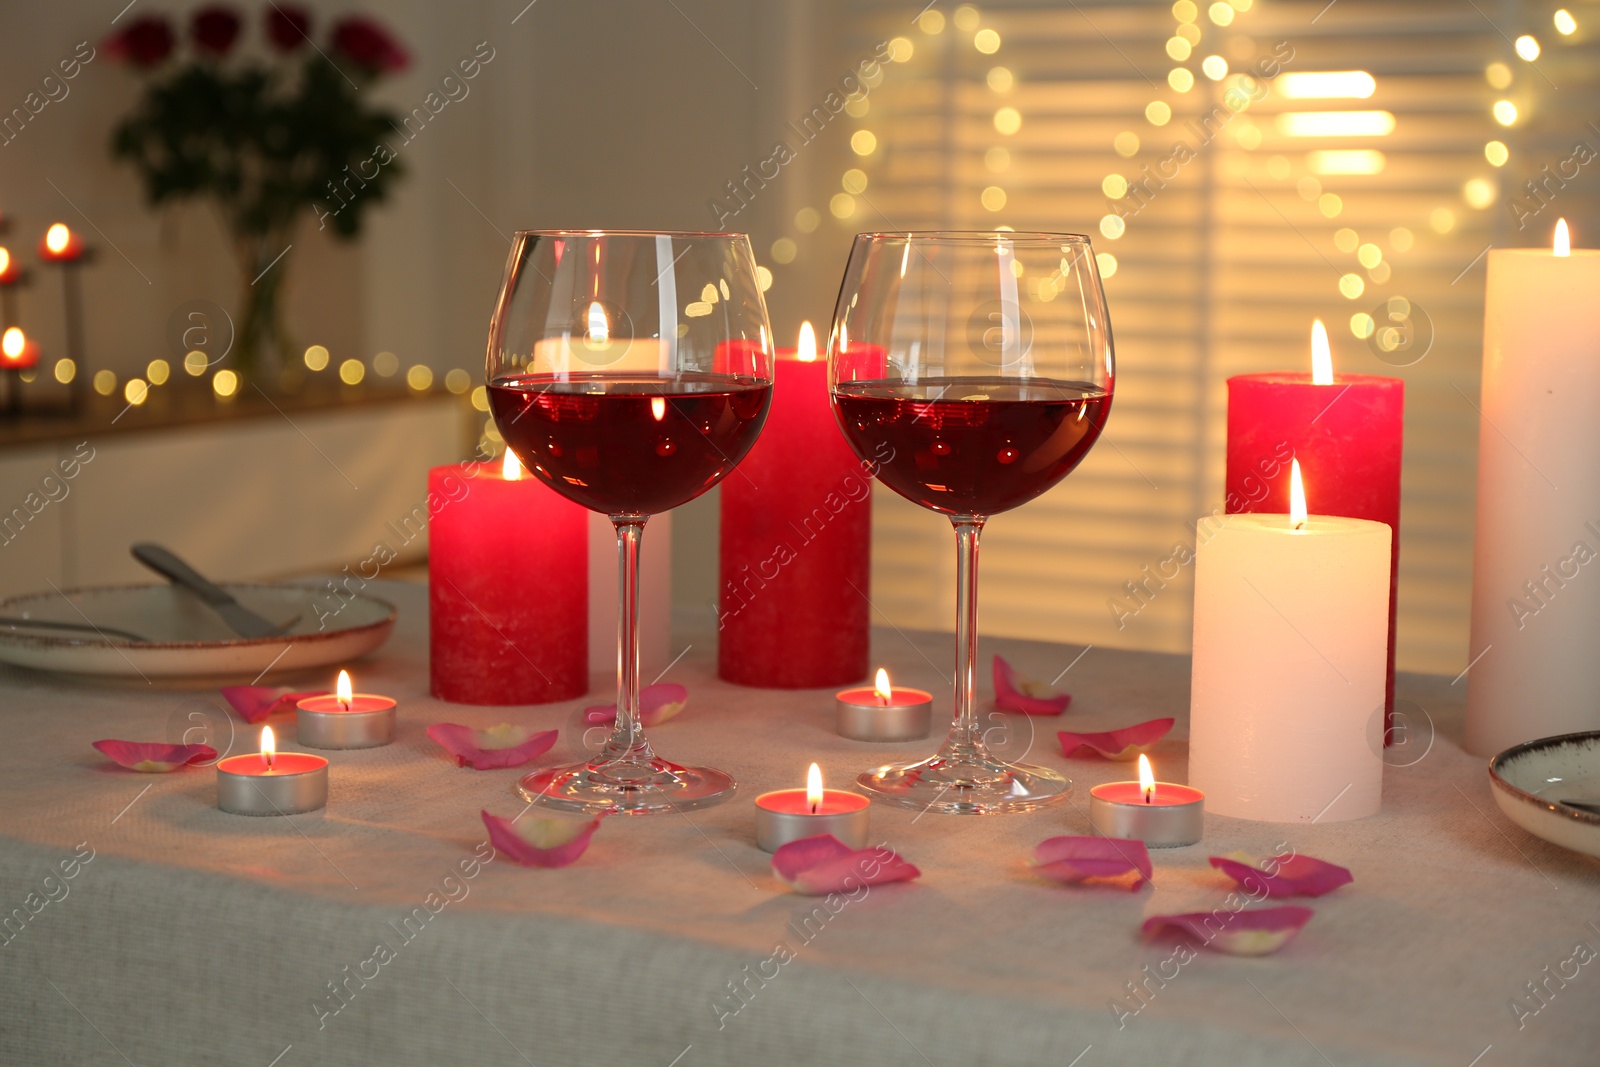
239	618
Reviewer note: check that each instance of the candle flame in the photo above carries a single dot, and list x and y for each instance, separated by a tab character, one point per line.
658	407
1321	355
345	690
885	690
806	349
814	789
269	745
1147	779
56	237
13	342
510	469
5	260
599	328
1563	245
1297	497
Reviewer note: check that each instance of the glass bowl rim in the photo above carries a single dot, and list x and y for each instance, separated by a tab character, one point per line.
627	233
975	235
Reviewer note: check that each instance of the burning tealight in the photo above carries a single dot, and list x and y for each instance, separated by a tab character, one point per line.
272	782
347	719
61	245
787	815
884	712
1160	814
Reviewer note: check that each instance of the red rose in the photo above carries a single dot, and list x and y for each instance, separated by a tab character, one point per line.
214	29
367	44
145	43
288	27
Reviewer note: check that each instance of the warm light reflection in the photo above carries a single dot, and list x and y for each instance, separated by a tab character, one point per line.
658	407
882	687
1563	242
814	789
806	347
1297	497
5	260
344	691
1147	779
510	469
1346	161
269	745
1325	85
599	328
1321	355
56	237
1336	123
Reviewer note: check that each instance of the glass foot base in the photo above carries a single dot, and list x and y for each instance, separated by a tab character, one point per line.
969	786
627	787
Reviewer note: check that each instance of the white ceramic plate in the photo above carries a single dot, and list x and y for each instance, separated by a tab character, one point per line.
186	639
1531	780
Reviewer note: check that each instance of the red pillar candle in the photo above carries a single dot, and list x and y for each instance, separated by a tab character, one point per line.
796	543
508	588
1345	429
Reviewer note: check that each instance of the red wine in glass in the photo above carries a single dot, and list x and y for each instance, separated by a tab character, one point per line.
630	445
973	446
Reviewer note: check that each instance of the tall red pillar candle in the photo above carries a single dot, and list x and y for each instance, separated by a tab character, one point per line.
1345	429
796	543
508	588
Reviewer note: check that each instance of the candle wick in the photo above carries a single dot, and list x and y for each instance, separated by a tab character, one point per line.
1301	525
815	804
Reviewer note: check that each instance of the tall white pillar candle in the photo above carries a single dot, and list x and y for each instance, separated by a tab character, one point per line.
1535	650
1291	631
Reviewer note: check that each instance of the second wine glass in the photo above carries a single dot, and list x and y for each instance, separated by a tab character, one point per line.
975	371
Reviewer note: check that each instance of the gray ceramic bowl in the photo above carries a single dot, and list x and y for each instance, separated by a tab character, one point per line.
1530	780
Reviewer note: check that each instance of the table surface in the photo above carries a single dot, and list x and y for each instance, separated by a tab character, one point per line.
192	936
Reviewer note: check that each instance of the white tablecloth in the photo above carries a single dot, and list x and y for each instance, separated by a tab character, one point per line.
192	936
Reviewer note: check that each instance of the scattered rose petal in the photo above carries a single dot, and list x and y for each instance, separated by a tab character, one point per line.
1015	693
1257	932
816	866
256	702
657	704
1297	876
1075	859
504	745
1121	745
155	757
534	841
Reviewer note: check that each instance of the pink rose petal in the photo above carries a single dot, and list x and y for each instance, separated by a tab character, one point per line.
256	702
1015	693
816	866
657	704
1247	933
1122	745
532	841
499	746
1301	876
154	757
1074	859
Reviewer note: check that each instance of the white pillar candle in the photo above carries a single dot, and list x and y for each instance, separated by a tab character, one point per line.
1291	631
1534	669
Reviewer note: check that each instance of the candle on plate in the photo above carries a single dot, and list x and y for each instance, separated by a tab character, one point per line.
507	587
17	351
61	245
1345	429
346	719
1535	599
884	712
796	542
787	815
272	782
1160	814
1290	640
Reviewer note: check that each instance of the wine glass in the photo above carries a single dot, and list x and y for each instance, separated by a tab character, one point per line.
629	372
974	370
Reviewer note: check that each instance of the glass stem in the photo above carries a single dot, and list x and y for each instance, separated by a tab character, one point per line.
627	737
966	738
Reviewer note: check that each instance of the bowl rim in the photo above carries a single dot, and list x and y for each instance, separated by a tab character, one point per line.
1499	782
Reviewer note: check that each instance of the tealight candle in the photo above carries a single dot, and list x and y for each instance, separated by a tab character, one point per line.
345	720
787	815
1160	814
272	782
884	712
61	245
